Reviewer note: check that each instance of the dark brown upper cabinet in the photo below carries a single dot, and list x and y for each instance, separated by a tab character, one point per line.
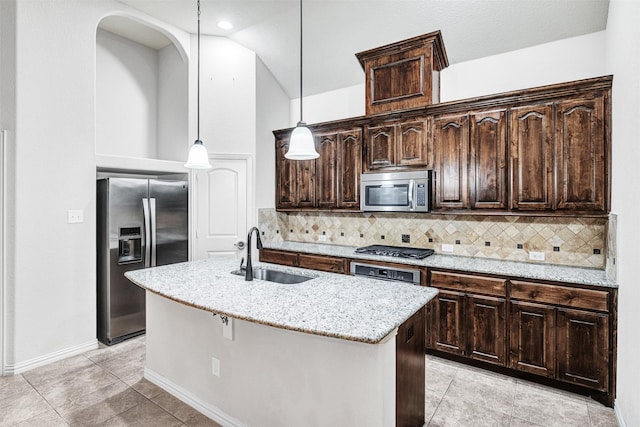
487	160
397	145
405	74
539	151
329	182
451	147
531	151
349	168
470	167
295	180
580	154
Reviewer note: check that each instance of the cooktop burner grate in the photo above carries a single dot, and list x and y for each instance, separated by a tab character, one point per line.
395	251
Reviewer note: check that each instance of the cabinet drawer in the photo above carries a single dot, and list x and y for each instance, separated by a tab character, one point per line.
467	283
560	295
278	257
321	263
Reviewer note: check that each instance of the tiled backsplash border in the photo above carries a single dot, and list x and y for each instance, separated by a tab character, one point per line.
565	241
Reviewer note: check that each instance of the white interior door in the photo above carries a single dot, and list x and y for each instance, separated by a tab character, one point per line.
222	207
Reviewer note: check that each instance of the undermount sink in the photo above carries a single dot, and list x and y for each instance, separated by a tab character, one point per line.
276	276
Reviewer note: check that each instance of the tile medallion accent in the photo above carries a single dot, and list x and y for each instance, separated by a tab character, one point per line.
576	238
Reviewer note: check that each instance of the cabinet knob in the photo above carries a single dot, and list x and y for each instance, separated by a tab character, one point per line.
239	245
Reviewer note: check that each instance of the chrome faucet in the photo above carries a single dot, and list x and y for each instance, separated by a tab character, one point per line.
249	272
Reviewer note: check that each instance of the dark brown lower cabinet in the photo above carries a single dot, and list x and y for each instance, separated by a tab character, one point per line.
487	328
532	337
562	332
446	326
583	348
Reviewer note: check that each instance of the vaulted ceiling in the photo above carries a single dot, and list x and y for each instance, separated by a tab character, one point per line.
334	30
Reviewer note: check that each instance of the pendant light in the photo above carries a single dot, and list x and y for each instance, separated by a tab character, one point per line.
301	144
198	156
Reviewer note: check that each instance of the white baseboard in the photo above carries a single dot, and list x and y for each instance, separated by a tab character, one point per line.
36	362
209	410
616	409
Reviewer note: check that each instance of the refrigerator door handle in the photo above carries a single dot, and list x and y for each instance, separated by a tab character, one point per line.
152	209
147	232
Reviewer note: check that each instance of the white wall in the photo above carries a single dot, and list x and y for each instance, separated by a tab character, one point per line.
623	61
272	112
173	105
557	62
126	97
51	274
141	99
333	105
227	95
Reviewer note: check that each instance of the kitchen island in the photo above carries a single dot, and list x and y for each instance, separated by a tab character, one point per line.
334	350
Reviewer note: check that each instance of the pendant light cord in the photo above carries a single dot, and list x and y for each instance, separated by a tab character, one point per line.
198	90
300	60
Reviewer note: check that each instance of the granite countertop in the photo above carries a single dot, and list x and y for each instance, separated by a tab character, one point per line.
333	305
555	273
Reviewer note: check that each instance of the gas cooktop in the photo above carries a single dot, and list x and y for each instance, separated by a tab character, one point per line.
395	251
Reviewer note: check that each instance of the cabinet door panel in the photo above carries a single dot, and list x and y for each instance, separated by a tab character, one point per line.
447	322
451	146
531	144
349	169
285	177
532	338
305	183
412	144
487	329
380	146
488	146
583	348
327	187
580	154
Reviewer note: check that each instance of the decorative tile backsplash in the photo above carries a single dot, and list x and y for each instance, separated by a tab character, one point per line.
566	241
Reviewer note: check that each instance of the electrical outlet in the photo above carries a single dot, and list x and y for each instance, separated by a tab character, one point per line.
215	366
447	248
322	238
536	256
75	216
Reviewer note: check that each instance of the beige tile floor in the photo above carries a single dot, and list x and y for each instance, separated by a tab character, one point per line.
460	395
105	387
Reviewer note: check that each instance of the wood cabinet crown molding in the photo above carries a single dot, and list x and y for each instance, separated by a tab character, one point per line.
504	99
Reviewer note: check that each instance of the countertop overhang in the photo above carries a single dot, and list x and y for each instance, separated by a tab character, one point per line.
536	271
334	305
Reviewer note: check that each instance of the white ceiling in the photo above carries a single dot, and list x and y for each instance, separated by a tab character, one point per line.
334	30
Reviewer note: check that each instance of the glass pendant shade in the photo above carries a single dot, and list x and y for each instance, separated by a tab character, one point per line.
198	157
301	144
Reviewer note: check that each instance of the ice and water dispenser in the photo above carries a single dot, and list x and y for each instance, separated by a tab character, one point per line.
129	245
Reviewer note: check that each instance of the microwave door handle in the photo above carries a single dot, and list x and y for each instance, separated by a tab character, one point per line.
147	232
411	182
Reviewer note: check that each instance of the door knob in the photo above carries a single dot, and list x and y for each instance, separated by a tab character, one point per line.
239	245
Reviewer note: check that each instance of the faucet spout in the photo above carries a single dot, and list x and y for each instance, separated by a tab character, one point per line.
249	272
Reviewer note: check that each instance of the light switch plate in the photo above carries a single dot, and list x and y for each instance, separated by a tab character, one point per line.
215	366
75	216
447	248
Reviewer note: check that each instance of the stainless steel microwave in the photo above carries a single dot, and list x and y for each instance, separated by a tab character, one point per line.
395	191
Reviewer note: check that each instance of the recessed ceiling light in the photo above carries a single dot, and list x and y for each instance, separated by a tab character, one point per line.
225	25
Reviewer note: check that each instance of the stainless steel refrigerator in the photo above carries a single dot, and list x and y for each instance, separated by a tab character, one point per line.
140	223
